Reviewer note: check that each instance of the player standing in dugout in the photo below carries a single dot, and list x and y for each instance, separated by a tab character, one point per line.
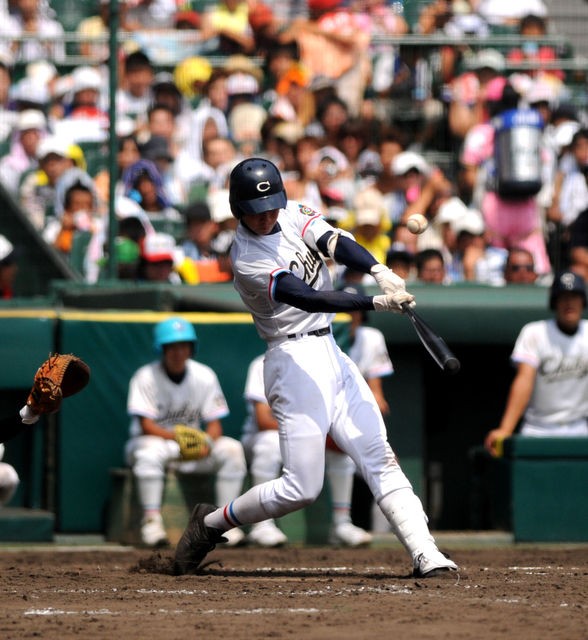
313	388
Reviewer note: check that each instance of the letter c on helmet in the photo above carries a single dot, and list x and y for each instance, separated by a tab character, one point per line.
264	186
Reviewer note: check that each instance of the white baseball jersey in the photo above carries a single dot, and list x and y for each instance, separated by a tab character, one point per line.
559	403
254	392
197	398
257	260
370	354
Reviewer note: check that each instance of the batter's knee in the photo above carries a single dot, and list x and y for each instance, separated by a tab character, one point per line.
301	495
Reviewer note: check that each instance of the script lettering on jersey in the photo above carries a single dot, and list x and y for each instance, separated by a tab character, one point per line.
556	369
306	266
182	415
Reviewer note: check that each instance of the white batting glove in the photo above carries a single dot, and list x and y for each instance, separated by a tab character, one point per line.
387	280
27	416
393	301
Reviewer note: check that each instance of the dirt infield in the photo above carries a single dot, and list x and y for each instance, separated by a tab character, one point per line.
302	593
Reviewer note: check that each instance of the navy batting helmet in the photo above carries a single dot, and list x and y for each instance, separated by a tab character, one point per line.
256	186
567	281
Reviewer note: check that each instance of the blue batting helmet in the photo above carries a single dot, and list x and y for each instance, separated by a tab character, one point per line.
172	330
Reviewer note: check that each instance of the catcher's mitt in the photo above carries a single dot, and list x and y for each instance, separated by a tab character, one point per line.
60	376
194	443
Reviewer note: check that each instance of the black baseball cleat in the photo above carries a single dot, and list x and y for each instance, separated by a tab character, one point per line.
196	541
432	564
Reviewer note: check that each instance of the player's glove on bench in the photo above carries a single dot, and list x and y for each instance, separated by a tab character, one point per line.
194	443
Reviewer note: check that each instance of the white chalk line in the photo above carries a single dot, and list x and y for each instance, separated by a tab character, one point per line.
50	611
327	590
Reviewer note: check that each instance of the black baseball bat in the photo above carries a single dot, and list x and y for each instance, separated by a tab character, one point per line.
433	342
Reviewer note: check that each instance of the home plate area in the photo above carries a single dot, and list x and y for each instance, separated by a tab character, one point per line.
296	592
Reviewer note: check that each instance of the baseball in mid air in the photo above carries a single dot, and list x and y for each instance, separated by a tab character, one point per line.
417	223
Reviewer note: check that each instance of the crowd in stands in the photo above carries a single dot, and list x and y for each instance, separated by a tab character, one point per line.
490	143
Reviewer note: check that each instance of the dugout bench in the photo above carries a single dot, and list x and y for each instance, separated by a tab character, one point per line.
310	525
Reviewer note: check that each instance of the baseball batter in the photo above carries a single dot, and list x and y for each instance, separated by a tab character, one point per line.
550	389
176	389
313	388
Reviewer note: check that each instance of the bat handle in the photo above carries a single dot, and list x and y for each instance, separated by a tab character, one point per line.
407	309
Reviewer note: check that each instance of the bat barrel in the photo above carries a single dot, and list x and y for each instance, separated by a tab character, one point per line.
433	343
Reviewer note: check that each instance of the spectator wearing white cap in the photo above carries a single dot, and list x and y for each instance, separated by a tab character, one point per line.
462	230
508	13
333	175
29	93
8	268
371	223
28	132
82	118
36	193
245	123
159	253
410	169
420	188
220	212
27	18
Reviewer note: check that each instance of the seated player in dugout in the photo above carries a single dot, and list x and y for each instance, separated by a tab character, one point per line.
176	389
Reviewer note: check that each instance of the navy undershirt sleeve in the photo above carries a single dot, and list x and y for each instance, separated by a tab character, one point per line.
348	253
295	292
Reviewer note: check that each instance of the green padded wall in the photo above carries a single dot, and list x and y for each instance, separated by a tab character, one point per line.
94	424
26	338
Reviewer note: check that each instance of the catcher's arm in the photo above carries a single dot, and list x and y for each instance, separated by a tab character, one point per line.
60	376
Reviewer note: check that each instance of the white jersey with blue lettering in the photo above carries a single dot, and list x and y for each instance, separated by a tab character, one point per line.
258	259
559	403
196	399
